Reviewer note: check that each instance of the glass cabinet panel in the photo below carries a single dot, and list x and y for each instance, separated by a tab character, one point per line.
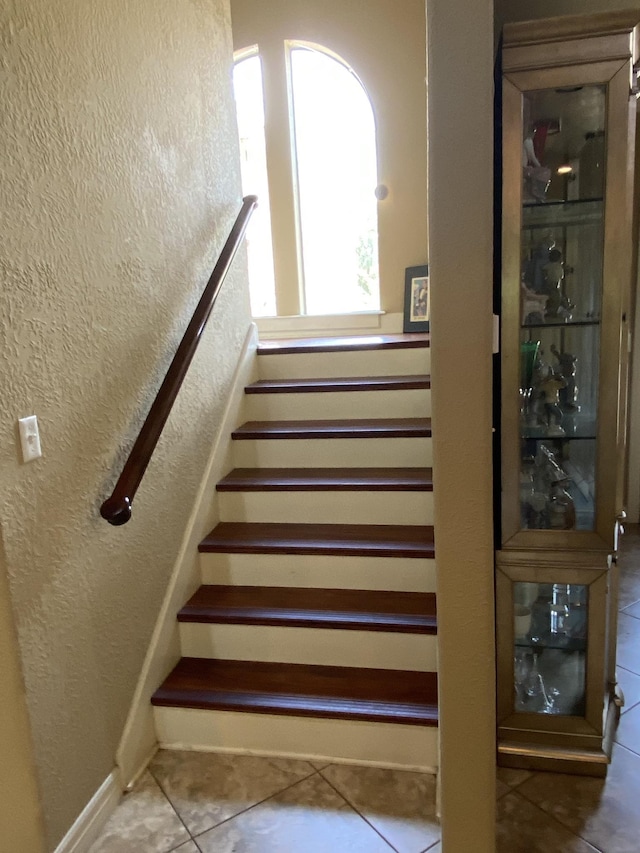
550	642
561	254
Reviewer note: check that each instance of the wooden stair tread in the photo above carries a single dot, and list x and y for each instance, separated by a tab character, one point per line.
345	344
348	609
375	540
327	479
349	383
379	695
342	428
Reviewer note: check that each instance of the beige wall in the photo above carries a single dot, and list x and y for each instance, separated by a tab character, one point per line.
20	819
119	183
461	238
384	41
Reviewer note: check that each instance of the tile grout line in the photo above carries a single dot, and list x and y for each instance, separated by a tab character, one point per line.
626	669
253	805
168	799
504	793
628	708
515	787
559	822
358	812
637	618
628	748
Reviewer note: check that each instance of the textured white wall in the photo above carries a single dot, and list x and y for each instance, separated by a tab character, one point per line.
120	181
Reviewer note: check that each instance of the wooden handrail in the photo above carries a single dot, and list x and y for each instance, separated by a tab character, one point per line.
117	508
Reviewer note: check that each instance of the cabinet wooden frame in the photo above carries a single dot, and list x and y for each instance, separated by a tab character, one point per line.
580	731
569	53
571	40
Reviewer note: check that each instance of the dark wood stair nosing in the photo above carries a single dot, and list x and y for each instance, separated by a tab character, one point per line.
356	384
387	696
299	706
327	479
317	539
306	619
313	607
341	428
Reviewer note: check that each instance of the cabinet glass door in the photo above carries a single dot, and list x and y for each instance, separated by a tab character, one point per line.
552	624
550	641
562	243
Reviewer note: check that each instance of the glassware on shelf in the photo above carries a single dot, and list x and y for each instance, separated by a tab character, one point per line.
533	305
535	177
528	356
567	369
576	621
558	609
545	501
549	658
521	621
532	694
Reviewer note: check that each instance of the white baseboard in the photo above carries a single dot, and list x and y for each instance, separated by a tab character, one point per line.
93	817
313	757
330	325
139	737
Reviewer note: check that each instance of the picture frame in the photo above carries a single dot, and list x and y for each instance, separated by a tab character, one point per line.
417	299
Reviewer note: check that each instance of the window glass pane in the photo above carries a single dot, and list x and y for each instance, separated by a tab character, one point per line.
247	83
336	176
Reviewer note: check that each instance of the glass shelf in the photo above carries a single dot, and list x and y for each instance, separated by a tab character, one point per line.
557	324
568	644
550	203
572	432
549	214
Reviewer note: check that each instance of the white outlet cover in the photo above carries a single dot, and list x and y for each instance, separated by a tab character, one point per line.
29	438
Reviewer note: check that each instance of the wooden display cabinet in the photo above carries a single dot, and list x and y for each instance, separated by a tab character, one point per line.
569	112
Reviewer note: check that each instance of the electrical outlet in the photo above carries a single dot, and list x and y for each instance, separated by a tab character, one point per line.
29	438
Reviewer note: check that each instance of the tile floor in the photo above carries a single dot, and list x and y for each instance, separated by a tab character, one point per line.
196	802
207	803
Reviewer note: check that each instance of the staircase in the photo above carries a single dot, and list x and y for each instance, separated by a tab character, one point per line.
314	631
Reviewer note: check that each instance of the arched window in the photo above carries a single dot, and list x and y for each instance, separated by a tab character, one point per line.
247	84
332	143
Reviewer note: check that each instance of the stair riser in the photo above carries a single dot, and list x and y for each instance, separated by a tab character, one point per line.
413	403
309	570
332	452
325	646
389	362
327	507
347	741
